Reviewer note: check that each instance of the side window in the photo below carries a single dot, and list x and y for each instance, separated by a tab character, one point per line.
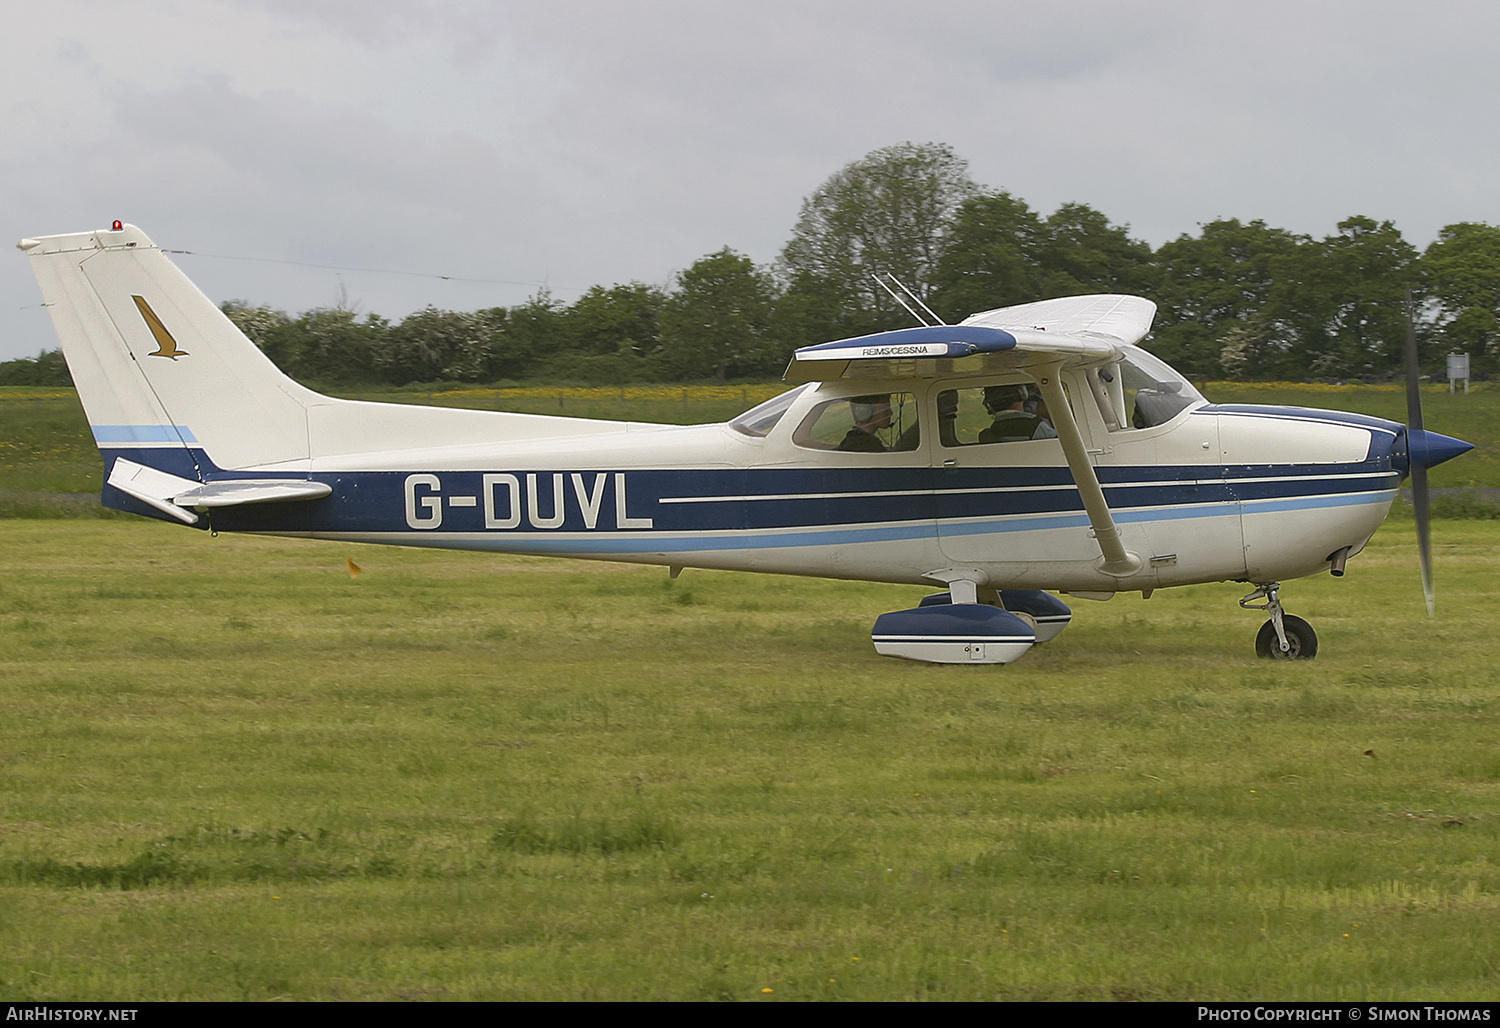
1004	413
875	423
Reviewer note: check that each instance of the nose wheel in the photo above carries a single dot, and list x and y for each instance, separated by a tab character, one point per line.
1301	640
1284	636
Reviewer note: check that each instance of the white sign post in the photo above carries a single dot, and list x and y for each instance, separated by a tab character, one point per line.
1458	368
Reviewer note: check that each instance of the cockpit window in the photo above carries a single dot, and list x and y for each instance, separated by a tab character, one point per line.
760	419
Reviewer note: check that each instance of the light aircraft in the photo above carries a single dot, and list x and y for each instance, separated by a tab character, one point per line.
889	461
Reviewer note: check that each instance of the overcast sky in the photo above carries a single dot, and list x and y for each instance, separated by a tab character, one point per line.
570	143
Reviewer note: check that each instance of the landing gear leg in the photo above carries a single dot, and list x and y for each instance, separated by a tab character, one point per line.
1285	636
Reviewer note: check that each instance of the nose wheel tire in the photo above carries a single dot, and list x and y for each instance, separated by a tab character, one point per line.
1302	641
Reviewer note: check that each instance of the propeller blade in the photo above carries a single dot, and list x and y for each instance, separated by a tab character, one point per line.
1414	430
1424	533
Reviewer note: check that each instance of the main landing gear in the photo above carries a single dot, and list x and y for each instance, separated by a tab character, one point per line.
1285	636
971	625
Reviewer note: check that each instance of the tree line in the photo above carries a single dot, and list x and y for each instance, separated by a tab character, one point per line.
1237	300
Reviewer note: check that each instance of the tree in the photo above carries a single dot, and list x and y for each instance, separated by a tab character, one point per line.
1345	298
263	326
1462	272
528	334
433	345
1223	281
993	257
889	212
717	322
1247	347
1082	253
328	345
623	320
45	369
1001	253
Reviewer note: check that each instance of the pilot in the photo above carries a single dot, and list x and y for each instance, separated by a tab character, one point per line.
1012	421
871	414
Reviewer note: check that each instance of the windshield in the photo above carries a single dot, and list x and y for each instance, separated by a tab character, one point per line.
1141	391
760	419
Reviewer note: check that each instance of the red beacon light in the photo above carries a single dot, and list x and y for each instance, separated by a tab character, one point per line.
117	227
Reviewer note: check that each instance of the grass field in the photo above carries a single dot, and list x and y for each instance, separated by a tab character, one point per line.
232	771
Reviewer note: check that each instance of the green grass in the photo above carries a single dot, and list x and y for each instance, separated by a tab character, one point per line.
230	771
46	453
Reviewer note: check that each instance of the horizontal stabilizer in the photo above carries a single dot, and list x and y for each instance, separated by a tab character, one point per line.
252	490
153	488
171	493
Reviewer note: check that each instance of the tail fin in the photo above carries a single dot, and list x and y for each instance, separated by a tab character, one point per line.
156	363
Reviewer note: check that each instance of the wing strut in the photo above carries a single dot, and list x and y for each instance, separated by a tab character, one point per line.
1117	560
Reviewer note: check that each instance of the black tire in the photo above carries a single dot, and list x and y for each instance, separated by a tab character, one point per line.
1299	636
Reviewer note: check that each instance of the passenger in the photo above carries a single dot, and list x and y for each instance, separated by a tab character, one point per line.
1013	422
871	414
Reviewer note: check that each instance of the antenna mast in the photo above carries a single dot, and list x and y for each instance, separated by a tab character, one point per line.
881	282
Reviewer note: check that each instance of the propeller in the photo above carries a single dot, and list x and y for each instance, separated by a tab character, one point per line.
1418	468
1424	449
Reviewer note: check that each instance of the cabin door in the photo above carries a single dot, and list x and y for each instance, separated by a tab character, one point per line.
1001	483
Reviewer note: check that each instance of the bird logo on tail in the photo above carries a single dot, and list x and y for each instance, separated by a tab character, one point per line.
166	346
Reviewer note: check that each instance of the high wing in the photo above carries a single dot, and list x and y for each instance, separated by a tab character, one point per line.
1072	331
1108	317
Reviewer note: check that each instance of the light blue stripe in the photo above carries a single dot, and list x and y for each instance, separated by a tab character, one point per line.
1199	510
142	434
1035	524
643	543
1081	520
